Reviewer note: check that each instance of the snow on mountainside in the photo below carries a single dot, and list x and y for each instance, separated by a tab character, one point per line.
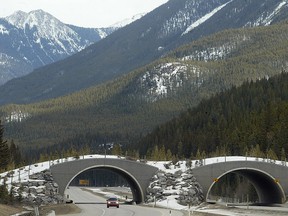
37	38
165	78
127	21
190	13
155	34
204	18
27	175
194	13
266	18
49	28
219	52
3	30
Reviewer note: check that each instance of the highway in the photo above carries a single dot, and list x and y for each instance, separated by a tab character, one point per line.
90	204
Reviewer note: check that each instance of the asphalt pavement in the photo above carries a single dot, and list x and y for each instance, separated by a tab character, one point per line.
91	204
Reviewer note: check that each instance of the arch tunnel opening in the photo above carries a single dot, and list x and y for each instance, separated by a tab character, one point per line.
108	177
248	185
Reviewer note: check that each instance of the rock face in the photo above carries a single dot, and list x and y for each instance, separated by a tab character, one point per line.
39	190
183	186
35	39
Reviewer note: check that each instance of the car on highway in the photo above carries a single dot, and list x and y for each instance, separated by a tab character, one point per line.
112	201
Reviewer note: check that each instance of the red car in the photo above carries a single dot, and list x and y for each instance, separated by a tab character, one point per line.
112	201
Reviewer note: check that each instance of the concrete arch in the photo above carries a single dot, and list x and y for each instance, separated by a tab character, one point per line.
269	179
137	192
137	174
263	183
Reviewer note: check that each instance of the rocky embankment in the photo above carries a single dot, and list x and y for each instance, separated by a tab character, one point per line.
182	185
39	190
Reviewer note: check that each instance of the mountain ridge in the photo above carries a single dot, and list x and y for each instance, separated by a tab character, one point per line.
132	105
139	43
37	38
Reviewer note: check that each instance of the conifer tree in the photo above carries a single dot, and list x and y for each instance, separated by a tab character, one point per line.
256	152
4	194
116	150
15	154
162	153
271	154
180	149
155	153
283	155
169	155
198	155
4	150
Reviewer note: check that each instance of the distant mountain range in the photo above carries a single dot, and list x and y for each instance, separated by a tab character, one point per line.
32	40
127	108
157	33
153	82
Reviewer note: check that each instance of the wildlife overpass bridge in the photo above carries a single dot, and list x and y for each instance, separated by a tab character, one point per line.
138	175
270	180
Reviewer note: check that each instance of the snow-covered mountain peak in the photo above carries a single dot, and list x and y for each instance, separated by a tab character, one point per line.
37	38
34	18
127	21
47	26
16	16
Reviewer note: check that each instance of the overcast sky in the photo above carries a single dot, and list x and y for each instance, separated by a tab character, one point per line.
84	13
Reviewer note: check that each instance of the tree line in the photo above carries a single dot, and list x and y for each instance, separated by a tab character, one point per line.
10	158
10	154
120	111
248	120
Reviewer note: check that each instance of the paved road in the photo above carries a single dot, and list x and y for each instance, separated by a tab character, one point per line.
96	206
221	209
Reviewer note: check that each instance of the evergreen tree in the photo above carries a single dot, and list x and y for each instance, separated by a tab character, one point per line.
180	149
162	153
283	155
198	155
256	152
271	154
169	155
15	154
155	153
4	150
116	150
86	150
4	194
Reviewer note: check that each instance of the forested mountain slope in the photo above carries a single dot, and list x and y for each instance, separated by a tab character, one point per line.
249	120
173	24
127	108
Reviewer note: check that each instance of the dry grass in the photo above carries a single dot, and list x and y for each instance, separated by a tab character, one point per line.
60	209
6	210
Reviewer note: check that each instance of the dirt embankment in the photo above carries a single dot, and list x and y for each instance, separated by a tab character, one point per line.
9	210
61	209
6	210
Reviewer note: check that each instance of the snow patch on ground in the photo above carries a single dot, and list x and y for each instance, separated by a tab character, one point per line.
22	175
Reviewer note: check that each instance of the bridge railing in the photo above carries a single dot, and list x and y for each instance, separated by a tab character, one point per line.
23	174
207	161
